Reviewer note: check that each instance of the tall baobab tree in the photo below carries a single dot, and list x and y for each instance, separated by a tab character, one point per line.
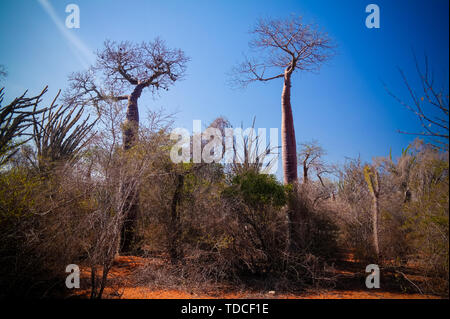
122	72
284	46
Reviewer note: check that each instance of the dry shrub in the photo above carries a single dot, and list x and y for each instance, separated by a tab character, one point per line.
40	237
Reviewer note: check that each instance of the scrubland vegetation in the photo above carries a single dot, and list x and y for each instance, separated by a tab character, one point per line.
82	190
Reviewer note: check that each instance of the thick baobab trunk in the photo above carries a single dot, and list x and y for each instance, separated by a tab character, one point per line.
131	207
131	124
288	144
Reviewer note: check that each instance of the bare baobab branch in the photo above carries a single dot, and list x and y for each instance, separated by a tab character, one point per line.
288	44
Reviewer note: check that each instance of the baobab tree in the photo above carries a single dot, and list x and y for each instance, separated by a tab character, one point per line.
284	46
122	72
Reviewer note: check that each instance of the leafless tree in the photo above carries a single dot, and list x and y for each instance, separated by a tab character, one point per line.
124	70
310	158
105	227
431	106
111	165
285	45
400	171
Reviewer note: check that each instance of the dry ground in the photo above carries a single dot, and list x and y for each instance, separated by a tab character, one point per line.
350	285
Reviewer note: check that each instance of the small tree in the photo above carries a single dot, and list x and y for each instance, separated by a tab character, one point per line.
310	157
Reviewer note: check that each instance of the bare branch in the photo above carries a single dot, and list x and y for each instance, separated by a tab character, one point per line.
121	67
427	106
286	44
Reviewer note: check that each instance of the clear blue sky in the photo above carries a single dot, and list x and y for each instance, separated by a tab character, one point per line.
344	107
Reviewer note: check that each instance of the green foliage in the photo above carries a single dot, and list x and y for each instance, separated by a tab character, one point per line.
257	190
427	224
17	193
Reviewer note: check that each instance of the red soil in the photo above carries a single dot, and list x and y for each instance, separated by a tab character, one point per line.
125	266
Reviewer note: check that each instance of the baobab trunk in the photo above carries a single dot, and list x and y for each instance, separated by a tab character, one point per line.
131	207
305	173
288	144
289	159
131	124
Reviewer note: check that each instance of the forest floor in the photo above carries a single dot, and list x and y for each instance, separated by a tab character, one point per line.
123	283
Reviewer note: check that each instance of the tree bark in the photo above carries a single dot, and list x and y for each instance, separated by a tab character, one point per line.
288	147
131	124
289	159
131	207
305	173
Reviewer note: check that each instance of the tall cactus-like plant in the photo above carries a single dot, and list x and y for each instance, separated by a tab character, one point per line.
373	183
15	119
61	133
